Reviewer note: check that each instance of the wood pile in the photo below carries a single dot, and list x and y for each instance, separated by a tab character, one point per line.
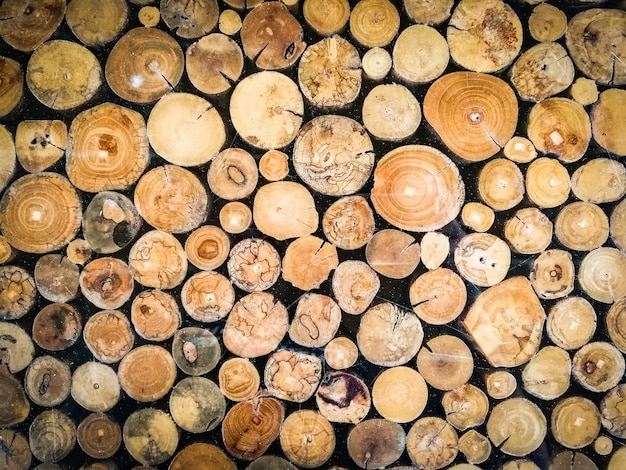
312	234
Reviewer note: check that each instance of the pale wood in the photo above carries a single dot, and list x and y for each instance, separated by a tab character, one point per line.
603	445
329	73
517	426
501	184
268	318
465	407
316	320
445	362
308	262
11	86
154	68
197	405
488	319
233	174
428	11
17	455
477	216
547	182
547	23
598	366
575	422
18	346
99	436
292	375
52	436
238	378
326	17
214	63
198	455
435	249
519	149
438	296
39	144
432	443
229	22
552	274
607	121
56	278
27	25
560	126
582	226
47	381
547	374
147	373
349	223
251	426
63	74
343	398
572	322
389	335
400	108
96	23
399	394
106	282
618	459
520	464
149	16
584	90
95	387
393	253
7	156
266	109
599	180
482	258
334	155
155	315
7	253
475	114
617	226
253	265
500	384
274	165
354	286
484	36
79	251
341	353
374	23
376	63
18	292
16	406
420	54
407	182
528	231
108	335
601	274
615	324
235	217
158	260
207	296
376	443
57	327
475	446
190	19
196	350
613	418
150	436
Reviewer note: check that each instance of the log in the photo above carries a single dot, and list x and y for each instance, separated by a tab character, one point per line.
147	373
195	350
95	387
343	398
376	443
56	278
575	422
52	436
598	366
229	22
519	149
349	223
17	292
420	54
150	436
197	404
16	406
477	216
601	273
445	362
547	23
207	247
376	63
7	152
233	174
57	327
316	320
501	184
466	407
475	446
374	23
517	426
308	262
274	165
155	315
355	286
615	324
435	249
214	63
582	226
341	353
584	91
27	25
599	181
235	217
612	416
547	374
108	336
149	16
16	347
572	323
482	258
428	11
326	17
438	296
190	19
393	253
206	296
292	376
107	282
48	381
11	86
399	107
552	274
39	144
500	384
158	260
96	23
253	265
547	182
432	443
17	455
99	436
198	455
607	121
617	226
78	251
239	380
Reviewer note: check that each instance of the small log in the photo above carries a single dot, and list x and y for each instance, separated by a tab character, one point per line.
388	335
552	275
56	278
233	174
466	407
190	19
206	296
207	247
155	315
239	380
316	320
99	436
333	155
376	63
601	274
341	353
27	25
7	253
501	184
399	394
393	253
432	443
428	11
477	216
17	292
573	460
435	249
63	75
16	347
107	282
149	16
197	404
229	22
575	422
475	446
438	296
329	73
40	144
147	373
616	324
598	366
482	258
520	150
256	325
158	260
617	226
47	381
200	455
17	455
547	23
343	398
274	165
235	217
308	262
582	226
500	384
613	418
584	91
595	42
214	63
355	286
96	23
154	68
107	148
445	362
272	99
195	350
475	114
399	107
79	251
150	436
374	23
376	443
349	223
52	436
547	182
572	323
57	327
599	181
16	406
95	387
108	335
487	321
7	157
420	54
547	374
529	231
618	459
603	445
326	17
11	86
517	426
253	265
292	376
251	426
40	213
